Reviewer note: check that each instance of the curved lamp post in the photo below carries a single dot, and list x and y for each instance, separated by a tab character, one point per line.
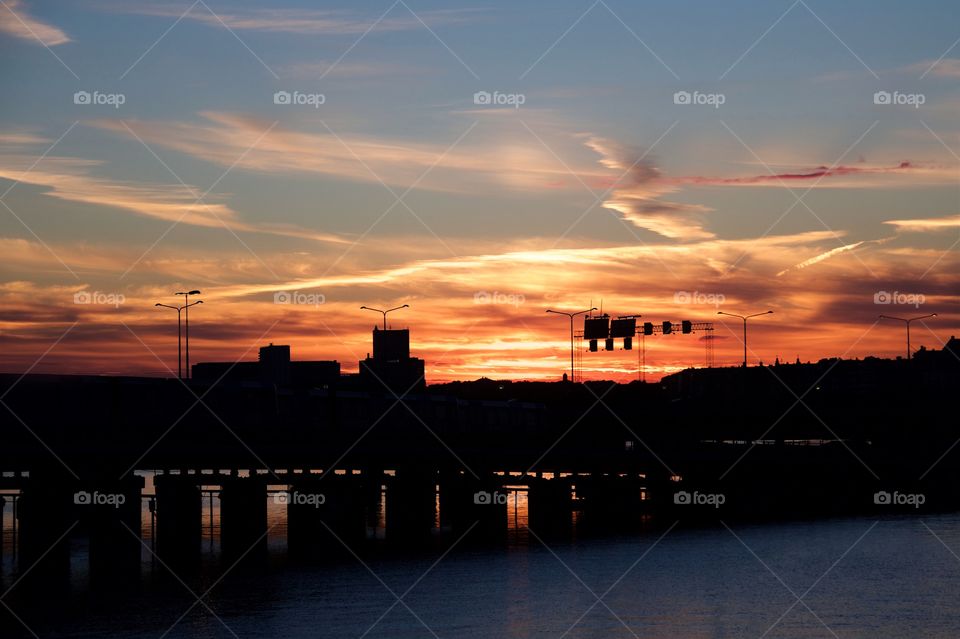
571	316
396	308
744	318
907	321
178	309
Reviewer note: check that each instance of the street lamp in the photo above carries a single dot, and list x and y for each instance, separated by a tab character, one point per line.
186	323
571	316
744	318
178	309
907	322
396	308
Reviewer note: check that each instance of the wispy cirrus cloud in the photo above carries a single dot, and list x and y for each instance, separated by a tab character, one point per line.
71	179
301	21
16	21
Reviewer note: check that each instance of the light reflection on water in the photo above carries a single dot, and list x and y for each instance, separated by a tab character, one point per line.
898	580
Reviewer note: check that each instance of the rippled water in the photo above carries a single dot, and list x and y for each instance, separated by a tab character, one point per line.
895	577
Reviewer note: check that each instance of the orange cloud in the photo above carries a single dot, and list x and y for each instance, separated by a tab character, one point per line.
17	22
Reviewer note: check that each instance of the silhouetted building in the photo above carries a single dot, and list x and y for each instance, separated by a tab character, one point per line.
275	364
273	368
391	367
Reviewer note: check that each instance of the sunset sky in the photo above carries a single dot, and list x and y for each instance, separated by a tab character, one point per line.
814	169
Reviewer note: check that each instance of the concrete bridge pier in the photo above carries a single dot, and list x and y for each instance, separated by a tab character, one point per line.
243	517
112	518
323	515
46	513
549	505
610	501
466	501
179	520
411	504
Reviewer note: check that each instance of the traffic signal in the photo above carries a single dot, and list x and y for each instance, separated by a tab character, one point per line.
628	343
593	346
648	328
686	326
609	344
667	328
